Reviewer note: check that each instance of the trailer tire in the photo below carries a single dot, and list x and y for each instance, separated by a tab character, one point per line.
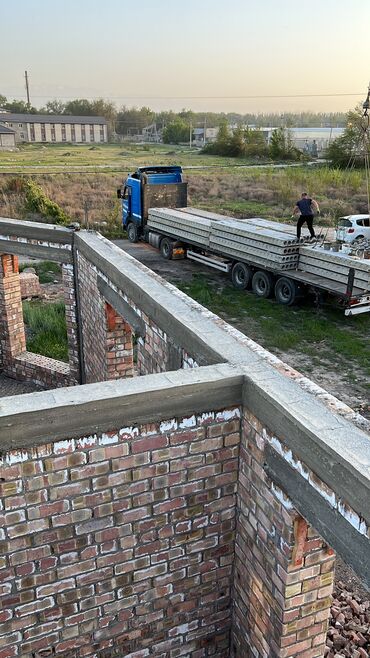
263	283
166	248
132	232
241	276
286	291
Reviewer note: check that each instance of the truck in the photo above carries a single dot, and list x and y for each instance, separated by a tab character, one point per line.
256	253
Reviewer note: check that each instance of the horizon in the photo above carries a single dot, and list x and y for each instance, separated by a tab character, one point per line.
241	58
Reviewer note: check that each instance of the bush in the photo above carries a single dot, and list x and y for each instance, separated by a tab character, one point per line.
241	142
38	202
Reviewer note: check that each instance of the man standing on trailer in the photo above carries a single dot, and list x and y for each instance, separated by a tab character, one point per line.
305	208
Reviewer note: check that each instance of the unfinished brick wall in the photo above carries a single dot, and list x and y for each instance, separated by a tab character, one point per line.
156	352
284	571
16	362
122	543
12	334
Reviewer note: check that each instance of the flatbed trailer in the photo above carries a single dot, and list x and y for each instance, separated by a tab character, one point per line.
288	286
268	262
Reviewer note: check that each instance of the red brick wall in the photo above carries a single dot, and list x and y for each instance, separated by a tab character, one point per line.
284	572
12	334
154	353
122	543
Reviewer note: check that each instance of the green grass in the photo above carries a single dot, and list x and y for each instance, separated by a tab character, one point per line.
115	156
46	270
46	329
304	329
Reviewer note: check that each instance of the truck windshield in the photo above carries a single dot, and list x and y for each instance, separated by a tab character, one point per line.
343	223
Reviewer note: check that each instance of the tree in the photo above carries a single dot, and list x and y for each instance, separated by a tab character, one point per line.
79	107
19	107
133	119
175	132
353	146
2	100
282	147
55	107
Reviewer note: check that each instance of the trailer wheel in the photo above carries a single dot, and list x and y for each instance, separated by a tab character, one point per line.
286	291
132	232
263	283
166	248
241	276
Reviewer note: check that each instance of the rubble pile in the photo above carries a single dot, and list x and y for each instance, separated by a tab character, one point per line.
349	625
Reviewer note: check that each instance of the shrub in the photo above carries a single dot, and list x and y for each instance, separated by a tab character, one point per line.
38	202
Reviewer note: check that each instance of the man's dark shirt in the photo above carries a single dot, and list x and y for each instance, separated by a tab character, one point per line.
304	206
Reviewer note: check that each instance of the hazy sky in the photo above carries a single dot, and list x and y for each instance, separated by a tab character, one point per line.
164	53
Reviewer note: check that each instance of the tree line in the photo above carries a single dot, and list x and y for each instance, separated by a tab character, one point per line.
125	119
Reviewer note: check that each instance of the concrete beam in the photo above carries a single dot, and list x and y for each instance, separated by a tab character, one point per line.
333	448
331	525
35	231
32	419
122	307
44	252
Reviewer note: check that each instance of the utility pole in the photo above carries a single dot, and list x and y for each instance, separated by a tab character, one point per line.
190	135
204	131
27	90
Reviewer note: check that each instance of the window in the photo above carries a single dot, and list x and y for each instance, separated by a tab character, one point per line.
102	133
52	130
43	133
83	133
21	135
20	125
32	132
92	137
73	132
64	135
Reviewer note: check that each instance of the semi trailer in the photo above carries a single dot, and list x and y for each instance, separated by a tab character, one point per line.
256	253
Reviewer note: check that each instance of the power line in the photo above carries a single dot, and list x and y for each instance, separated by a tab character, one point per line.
247	97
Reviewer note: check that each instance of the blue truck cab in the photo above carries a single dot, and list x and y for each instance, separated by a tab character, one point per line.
150	187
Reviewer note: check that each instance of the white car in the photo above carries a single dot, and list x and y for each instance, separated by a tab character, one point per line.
353	227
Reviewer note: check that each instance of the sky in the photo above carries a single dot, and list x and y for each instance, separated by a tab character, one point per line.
207	55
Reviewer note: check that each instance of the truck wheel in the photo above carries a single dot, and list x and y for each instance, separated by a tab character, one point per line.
166	248
132	233
241	276
286	291
263	283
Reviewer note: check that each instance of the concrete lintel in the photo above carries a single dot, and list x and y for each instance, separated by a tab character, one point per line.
64	413
169	313
36	231
331	525
35	251
332	447
122	307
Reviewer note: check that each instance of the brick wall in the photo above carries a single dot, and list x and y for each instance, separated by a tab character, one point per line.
12	334
69	292
121	543
283	570
156	352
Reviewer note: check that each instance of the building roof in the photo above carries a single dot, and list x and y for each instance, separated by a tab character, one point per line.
5	131
49	118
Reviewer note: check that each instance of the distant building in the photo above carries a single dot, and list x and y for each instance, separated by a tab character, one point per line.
7	138
309	139
198	135
51	128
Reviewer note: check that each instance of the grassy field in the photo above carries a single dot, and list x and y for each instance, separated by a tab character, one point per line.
112	156
46	330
